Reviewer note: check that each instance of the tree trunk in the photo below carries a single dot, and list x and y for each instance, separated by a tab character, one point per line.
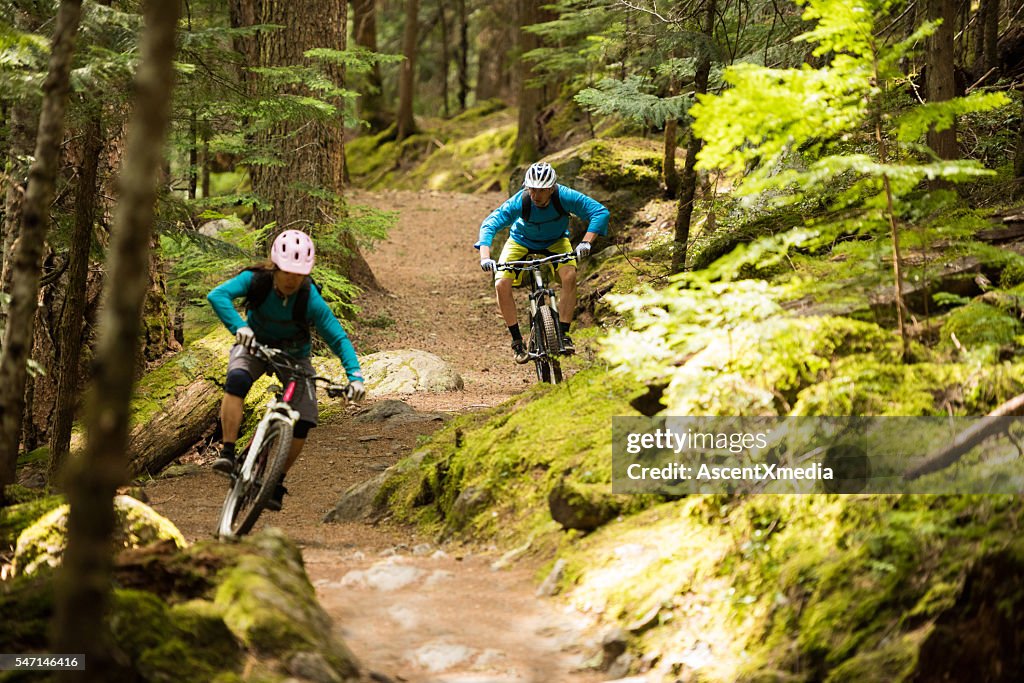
1018	159
495	40
36	221
312	154
527	144
83	584
157	318
462	69
193	155
22	135
990	20
688	181
406	122
22	118
978	39
364	33
669	170
205	183
442	18
941	82
69	346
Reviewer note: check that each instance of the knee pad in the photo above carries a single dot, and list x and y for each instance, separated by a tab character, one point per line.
238	383
301	429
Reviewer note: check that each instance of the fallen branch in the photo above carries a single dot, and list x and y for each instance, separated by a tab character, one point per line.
988	426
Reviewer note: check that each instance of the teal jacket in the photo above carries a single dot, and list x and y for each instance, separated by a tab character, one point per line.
545	226
272	321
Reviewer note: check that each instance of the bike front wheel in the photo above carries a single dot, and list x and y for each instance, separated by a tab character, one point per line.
246	499
545	338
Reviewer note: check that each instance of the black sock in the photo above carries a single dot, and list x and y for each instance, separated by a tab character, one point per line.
228	451
514	331
564	327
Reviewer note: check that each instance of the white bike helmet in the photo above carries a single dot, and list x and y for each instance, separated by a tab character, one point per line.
540	176
293	252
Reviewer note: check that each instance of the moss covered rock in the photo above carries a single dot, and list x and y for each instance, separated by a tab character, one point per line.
268	603
42	544
584	507
508	460
811	588
208	628
16	518
979	324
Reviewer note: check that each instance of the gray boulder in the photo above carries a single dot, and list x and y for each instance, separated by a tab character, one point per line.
407	371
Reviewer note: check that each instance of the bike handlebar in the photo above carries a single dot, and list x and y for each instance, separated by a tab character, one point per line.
279	359
535	264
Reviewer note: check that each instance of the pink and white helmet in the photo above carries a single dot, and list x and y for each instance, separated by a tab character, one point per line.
293	252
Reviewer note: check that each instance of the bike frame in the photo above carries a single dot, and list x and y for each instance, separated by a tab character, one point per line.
278	409
541	296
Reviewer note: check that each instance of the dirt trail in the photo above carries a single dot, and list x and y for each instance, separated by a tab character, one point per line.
409	609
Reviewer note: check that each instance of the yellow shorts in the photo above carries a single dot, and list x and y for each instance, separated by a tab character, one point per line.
513	251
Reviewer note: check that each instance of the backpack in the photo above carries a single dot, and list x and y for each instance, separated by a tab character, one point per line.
259	290
555	201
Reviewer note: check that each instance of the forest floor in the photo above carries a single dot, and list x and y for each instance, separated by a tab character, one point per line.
409	608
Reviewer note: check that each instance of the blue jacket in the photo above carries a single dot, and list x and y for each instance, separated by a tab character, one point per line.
272	320
546	226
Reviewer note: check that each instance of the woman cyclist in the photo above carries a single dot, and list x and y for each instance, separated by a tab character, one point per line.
282	305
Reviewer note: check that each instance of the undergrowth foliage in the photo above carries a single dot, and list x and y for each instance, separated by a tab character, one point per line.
842	145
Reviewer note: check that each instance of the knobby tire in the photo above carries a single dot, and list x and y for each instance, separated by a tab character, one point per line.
249	501
548	369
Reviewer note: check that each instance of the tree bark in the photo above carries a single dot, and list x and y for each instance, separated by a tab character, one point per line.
22	117
83	585
990	20
941	81
406	122
442	19
69	345
312	153
462	69
364	33
35	222
688	180
1018	159
22	135
527	145
669	171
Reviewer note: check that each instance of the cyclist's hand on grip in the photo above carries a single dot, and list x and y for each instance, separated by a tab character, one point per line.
245	336
488	265
582	250
355	391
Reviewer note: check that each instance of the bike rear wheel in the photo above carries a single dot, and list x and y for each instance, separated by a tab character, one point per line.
245	500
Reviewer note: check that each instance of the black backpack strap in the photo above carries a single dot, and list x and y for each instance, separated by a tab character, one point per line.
299	311
555	201
558	203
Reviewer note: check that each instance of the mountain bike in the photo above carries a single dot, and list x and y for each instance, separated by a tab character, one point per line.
545	336
261	464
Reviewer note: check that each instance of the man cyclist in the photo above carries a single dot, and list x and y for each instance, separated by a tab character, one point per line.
539	218
282	304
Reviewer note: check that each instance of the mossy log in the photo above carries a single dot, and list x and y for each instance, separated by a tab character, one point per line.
172	431
177	403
